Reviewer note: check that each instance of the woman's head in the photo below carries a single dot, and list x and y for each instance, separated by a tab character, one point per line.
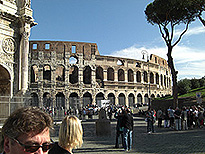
71	133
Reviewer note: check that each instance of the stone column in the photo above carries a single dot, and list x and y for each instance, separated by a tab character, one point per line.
23	58
105	75
135	77
115	75
126	76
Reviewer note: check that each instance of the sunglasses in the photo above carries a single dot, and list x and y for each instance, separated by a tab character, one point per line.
29	148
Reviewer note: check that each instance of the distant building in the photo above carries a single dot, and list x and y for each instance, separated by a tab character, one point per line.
74	74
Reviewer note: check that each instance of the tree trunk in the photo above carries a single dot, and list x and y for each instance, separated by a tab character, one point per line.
174	76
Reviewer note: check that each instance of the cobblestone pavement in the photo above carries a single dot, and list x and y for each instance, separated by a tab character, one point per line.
164	141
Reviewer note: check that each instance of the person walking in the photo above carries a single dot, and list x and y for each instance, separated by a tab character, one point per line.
128	129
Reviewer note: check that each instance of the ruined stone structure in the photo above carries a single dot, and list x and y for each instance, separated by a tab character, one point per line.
15	23
70	74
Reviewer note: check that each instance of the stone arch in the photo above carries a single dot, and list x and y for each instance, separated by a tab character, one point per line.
60	73
138	76
130	75
151	77
152	96
60	100
87	99
111	97
131	100
110	74
34	73
47	72
146	99
74	100
121	75
47	101
34	99
99	97
87	75
73	74
5	84
121	99
139	99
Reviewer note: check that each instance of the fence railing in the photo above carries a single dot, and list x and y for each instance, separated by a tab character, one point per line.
8	105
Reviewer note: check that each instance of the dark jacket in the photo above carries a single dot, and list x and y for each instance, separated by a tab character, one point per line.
58	150
127	121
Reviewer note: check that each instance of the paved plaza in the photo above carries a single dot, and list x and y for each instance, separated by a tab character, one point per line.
164	141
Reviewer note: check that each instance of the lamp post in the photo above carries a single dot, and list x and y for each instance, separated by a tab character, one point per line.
145	53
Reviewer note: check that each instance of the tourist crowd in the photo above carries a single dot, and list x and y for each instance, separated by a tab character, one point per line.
180	118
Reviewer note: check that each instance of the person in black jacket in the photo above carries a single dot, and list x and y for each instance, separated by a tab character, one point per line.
119	129
128	129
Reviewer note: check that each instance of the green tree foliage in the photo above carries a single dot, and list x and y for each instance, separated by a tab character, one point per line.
195	83
168	14
200	6
202	82
184	86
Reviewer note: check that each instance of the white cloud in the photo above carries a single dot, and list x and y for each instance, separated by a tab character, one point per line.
188	61
190	31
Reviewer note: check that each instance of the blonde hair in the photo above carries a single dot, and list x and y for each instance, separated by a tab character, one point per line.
71	132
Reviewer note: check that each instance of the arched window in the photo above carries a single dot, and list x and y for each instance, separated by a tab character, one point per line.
139	99
87	99
131	100
138	76
121	99
157	78
110	74
161	77
34	73
145	77
46	72
60	73
60	100
73	74
121	75
99	97
151	77
99	73
130	75
111	97
165	84
87	75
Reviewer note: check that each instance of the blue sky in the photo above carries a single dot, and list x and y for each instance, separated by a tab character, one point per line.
119	28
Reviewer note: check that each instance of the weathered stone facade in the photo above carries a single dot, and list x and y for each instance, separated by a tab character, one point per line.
65	74
15	23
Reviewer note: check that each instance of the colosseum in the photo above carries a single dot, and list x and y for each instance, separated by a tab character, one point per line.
74	74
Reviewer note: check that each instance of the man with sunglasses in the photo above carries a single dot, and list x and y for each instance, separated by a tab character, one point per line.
27	131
